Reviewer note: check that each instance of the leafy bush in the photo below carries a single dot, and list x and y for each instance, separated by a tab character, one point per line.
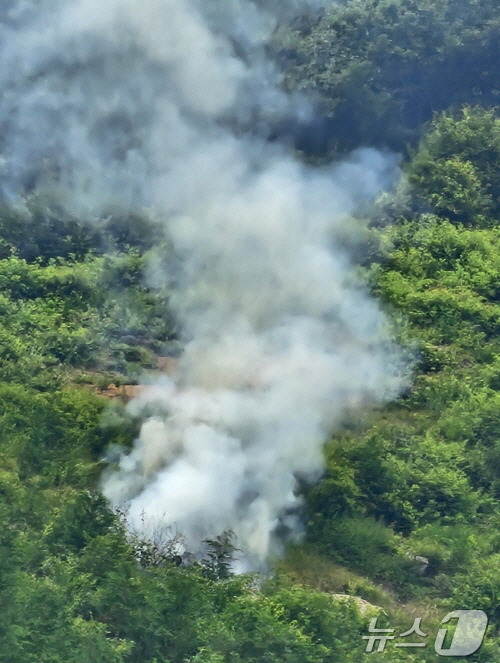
456	167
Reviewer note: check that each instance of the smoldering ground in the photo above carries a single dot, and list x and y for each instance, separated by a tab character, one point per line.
160	105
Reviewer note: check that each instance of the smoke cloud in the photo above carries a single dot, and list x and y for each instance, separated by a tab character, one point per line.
167	105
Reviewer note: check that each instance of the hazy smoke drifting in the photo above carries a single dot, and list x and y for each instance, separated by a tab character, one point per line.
165	104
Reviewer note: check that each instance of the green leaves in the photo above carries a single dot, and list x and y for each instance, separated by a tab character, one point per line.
378	70
421	479
456	169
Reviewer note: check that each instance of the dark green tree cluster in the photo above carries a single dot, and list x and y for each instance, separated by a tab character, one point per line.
39	231
455	172
379	69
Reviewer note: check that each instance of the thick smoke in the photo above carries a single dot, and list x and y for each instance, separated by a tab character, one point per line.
165	104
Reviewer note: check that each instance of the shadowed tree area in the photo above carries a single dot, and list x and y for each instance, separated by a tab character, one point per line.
379	69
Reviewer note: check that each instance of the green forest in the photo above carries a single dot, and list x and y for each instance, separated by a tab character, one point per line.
405	521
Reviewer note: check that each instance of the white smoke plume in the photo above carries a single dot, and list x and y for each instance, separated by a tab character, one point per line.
165	104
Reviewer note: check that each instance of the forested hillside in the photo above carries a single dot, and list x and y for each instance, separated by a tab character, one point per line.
405	519
381	68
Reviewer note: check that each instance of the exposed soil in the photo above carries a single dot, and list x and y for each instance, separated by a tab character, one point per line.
125	392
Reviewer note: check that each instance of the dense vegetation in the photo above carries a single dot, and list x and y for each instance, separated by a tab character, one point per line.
407	513
421	478
381	68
